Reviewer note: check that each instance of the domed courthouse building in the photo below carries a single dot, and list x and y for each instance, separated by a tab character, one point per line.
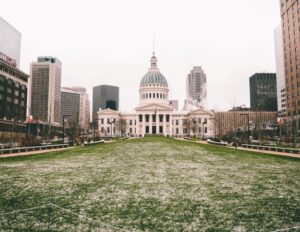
155	115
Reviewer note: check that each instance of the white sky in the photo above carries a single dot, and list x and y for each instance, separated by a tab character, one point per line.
110	42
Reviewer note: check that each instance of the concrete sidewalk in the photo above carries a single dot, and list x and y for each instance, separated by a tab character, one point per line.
34	152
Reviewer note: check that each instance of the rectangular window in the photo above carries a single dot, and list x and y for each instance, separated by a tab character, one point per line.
140	118
160	118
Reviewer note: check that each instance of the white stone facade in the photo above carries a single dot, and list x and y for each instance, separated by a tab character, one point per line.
154	115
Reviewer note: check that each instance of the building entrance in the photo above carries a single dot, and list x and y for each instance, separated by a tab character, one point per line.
154	130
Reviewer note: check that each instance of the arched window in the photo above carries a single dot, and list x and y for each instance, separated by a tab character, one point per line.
153	95
149	95
157	95
146	95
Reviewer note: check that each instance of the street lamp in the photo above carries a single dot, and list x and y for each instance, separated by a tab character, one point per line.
204	122
63	135
12	132
248	132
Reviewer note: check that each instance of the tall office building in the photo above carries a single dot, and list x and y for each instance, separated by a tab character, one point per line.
104	97
13	91
263	92
44	89
280	77
13	82
196	89
84	108
291	48
70	105
10	42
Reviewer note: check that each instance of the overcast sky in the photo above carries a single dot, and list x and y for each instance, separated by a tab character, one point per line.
110	42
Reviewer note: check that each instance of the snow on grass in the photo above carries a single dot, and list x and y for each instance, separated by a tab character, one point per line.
156	184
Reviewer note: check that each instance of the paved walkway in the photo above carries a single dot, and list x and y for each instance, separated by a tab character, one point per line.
40	151
33	152
253	150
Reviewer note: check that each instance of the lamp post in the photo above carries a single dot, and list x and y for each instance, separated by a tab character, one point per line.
63	135
205	122
12	132
248	132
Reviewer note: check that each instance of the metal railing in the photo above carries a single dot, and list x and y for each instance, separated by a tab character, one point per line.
271	148
34	148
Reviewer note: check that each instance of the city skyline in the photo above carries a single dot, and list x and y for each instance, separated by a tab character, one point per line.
98	49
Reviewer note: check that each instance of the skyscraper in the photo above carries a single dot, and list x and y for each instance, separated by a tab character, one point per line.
13	92
104	97
13	82
291	48
263	92
70	105
84	108
280	77
10	41
196	89
45	87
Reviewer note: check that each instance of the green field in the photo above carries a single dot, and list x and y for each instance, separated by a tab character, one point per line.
150	184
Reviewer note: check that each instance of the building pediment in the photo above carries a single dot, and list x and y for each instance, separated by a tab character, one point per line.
108	111
201	112
153	107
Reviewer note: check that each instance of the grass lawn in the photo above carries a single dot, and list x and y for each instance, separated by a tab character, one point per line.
152	184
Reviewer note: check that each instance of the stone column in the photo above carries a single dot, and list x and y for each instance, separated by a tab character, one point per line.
164	124
157	123
137	125
171	124
150	123
143	129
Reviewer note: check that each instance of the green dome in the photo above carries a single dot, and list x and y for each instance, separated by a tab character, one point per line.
153	78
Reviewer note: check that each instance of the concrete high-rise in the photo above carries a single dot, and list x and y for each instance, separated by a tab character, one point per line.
263	92
196	89
280	77
13	92
10	42
84	109
70	105
291	48
44	89
104	97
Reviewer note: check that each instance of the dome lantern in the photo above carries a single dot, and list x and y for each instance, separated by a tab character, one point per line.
153	76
